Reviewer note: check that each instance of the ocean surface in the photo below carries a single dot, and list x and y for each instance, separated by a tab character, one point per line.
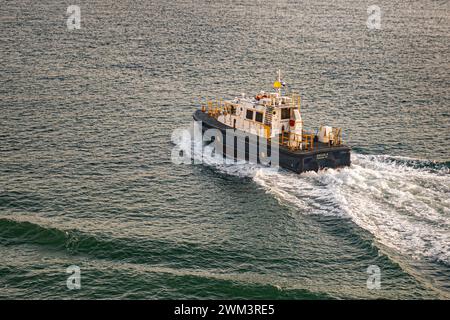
86	176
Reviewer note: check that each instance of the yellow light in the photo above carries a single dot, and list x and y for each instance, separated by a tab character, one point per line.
277	84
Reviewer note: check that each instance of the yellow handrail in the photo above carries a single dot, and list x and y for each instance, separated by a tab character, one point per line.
267	131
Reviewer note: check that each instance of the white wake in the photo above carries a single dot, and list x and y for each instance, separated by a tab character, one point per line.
404	207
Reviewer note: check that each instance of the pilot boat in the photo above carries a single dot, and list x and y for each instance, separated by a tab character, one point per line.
273	119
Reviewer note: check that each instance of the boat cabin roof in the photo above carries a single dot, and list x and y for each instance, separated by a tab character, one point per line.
273	99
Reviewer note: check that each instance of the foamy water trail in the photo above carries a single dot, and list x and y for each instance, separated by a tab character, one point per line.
404	203
405	208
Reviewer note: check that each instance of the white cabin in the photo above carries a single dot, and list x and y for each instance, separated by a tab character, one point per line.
267	115
270	115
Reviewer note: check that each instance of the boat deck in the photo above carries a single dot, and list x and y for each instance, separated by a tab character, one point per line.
318	147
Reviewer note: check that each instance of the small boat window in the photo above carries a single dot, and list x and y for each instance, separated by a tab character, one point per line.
259	117
285	113
249	115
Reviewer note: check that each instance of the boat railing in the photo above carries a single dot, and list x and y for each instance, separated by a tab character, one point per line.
306	140
293	141
274	100
337	135
214	108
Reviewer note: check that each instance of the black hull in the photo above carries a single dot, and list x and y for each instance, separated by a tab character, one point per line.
323	156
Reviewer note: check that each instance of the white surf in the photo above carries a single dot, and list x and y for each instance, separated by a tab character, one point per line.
404	207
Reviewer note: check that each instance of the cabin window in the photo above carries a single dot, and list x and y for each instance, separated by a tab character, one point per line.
285	113
249	115
259	117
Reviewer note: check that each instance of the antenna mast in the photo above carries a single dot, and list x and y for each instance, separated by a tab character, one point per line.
279	81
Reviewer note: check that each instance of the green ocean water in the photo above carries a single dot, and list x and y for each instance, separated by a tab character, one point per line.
86	176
